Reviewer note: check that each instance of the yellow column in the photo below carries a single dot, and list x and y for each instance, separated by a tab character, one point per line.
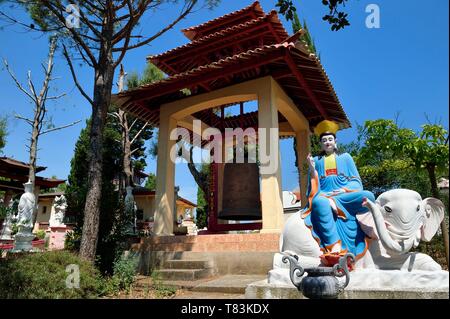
165	179
303	148
271	198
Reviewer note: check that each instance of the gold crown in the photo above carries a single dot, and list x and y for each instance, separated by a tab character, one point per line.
326	126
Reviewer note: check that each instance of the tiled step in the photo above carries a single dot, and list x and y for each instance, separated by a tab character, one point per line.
188	264
184	274
230	284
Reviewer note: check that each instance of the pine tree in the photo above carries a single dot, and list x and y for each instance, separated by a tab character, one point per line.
3	132
110	210
100	33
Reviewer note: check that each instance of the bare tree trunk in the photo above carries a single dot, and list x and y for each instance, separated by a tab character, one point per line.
126	174
127	152
435	192
102	98
33	155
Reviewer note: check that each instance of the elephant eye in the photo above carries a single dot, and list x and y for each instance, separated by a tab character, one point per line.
418	208
388	209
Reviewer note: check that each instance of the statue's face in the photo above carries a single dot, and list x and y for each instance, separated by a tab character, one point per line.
328	143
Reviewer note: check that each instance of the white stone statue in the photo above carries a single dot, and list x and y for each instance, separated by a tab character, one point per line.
59	207
8	222
130	209
26	207
187	214
396	222
27	204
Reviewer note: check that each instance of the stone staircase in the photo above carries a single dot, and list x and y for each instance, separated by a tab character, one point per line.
197	279
186	270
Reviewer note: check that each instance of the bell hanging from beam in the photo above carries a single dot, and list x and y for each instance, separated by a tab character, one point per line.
241	195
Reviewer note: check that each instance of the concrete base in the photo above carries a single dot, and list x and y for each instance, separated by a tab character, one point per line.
364	284
57	237
22	241
367	279
263	290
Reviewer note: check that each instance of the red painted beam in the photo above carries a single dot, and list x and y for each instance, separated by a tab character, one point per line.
291	63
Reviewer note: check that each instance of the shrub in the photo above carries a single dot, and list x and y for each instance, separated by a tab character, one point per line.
124	274
73	240
40	234
43	276
161	290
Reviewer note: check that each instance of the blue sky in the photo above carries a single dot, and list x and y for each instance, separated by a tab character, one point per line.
402	67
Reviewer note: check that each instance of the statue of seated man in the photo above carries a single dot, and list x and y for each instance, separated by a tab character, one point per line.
335	196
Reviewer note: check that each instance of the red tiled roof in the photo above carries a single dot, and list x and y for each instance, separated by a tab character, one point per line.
184	200
211	40
308	65
238	47
142	191
51	195
254	10
15	164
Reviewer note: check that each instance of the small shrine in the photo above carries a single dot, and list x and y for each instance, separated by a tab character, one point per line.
243	56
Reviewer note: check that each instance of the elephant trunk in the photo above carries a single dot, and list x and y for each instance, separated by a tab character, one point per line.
386	239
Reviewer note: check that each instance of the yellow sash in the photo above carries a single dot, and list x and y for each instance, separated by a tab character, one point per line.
330	165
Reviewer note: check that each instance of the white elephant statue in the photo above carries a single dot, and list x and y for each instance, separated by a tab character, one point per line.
395	223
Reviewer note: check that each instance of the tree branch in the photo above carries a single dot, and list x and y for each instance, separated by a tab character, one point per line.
30	27
75	34
135	150
132	124
59	128
17	81
19	117
32	89
72	71
56	97
159	33
139	133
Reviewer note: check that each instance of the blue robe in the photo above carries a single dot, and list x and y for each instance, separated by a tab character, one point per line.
327	226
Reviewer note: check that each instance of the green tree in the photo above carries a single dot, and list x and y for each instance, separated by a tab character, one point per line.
105	32
202	210
111	213
151	182
134	131
335	17
393	149
3	132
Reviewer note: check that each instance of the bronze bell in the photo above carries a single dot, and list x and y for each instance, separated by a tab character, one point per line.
241	195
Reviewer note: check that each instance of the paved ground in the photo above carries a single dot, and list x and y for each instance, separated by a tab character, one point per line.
219	287
232	284
185	294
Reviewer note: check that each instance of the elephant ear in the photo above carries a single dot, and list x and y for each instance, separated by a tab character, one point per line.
434	214
367	224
